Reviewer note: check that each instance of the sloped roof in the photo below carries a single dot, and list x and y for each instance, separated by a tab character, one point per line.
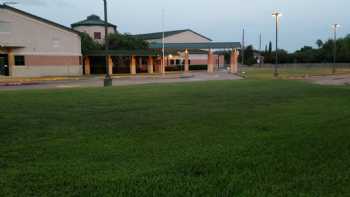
159	35
3	6
92	20
206	45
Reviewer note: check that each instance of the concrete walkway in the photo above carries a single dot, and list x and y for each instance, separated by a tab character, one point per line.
97	81
331	80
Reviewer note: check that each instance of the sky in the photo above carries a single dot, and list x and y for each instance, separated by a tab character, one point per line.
302	23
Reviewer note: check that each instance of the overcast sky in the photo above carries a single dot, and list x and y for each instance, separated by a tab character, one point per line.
302	23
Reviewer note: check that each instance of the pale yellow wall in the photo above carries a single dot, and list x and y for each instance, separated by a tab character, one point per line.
92	29
36	37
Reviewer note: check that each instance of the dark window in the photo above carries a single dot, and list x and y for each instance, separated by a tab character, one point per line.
97	35
177	62
172	62
19	60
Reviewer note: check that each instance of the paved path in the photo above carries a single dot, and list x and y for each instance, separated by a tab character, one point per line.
331	80
97	81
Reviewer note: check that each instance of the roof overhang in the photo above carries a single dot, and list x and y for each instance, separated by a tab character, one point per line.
123	53
12	46
206	45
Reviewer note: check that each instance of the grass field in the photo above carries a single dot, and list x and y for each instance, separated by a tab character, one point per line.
228	138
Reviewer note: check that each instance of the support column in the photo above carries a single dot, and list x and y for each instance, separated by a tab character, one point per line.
11	62
234	61
133	65
210	61
163	65
87	65
110	65
187	63
150	65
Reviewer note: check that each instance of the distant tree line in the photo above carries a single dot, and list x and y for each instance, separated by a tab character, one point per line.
322	54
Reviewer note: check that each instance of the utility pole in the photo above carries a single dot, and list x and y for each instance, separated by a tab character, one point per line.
108	79
260	56
277	15
260	37
335	28
243	46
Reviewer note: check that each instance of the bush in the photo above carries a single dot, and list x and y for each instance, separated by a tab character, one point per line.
199	67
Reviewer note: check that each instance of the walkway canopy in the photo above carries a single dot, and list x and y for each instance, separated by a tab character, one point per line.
170	47
205	45
155	50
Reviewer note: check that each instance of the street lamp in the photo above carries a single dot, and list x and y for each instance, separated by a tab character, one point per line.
335	28
277	15
108	79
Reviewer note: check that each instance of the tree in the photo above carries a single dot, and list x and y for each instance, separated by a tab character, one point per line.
119	41
319	43
270	47
88	44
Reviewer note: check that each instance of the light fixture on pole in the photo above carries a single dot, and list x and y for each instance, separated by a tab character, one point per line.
335	28
243	46
163	44
277	16
108	79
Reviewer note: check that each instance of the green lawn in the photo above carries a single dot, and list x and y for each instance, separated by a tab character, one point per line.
228	138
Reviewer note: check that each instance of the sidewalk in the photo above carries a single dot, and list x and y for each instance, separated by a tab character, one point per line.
118	80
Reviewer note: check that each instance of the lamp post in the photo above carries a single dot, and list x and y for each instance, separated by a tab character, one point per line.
243	46
108	79
335	28
277	15
163	43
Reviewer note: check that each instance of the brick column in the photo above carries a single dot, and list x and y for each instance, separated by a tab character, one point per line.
234	61
163	65
187	63
133	65
87	65
110	65
150	65
210	61
11	62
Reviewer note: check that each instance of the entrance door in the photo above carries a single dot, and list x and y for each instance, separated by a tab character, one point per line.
4	69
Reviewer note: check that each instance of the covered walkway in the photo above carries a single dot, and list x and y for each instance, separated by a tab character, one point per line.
151	61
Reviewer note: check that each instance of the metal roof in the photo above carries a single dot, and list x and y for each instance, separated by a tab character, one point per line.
206	45
92	20
123	53
159	35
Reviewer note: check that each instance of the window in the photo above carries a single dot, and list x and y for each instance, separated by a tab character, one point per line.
172	62
178	62
19	60
97	35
